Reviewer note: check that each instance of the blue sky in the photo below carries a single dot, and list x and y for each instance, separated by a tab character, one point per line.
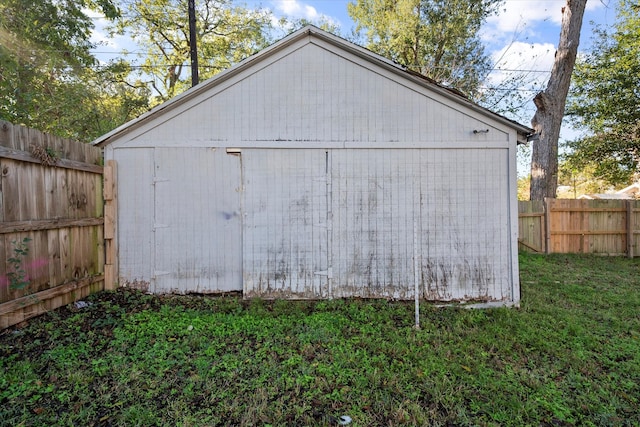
534	21
523	36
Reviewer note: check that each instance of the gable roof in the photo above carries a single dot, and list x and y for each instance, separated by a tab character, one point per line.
312	31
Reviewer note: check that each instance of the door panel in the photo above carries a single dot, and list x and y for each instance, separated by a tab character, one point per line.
135	216
197	221
438	216
285	223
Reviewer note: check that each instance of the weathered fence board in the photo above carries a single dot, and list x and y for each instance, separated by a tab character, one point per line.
50	194
580	226
531	226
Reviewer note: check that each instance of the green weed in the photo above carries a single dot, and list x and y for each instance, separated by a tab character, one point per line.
17	276
569	356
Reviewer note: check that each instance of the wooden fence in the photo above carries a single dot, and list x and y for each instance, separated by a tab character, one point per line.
580	226
50	195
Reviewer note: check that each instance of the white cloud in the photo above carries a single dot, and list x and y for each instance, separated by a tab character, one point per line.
536	59
108	46
99	34
514	15
296	9
520	70
521	19
102	39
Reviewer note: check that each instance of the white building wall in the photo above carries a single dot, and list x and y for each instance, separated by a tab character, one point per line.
179	224
285	223
369	204
136	243
455	201
193	218
197	224
313	94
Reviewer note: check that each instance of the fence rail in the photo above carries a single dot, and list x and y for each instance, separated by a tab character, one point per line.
50	195
580	226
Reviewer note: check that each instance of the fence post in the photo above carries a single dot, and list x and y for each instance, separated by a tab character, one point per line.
110	225
630	226
547	225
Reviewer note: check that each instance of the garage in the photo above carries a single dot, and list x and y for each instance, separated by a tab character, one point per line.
317	169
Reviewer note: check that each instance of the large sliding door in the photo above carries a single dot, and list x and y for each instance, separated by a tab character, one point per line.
285	251
197	221
374	222
435	216
316	223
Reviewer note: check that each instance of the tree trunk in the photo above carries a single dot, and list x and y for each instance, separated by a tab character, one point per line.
550	104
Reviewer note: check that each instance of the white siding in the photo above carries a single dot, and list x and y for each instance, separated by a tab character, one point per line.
135	215
457	200
314	94
285	223
373	206
197	221
344	159
454	200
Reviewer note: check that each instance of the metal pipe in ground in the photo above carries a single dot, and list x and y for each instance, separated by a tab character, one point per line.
416	274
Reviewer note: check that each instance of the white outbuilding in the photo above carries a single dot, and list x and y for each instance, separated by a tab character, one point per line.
318	169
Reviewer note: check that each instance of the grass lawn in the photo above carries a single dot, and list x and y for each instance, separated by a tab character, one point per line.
569	356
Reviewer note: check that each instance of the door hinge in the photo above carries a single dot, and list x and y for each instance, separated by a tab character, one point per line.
328	272
158	179
160	273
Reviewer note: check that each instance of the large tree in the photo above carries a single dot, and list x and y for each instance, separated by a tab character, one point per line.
49	78
605	101
437	38
550	104
226	34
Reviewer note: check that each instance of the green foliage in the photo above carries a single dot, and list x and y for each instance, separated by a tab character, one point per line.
605	100
291	25
437	38
226	34
569	356
116	99
41	44
523	187
581	180
18	276
49	79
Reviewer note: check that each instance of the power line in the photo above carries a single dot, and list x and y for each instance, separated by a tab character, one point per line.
186	64
504	89
510	70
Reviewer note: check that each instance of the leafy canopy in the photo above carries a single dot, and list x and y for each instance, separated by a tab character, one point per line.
49	79
605	101
226	34
437	38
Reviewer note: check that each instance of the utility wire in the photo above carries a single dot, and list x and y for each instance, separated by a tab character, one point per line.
127	53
